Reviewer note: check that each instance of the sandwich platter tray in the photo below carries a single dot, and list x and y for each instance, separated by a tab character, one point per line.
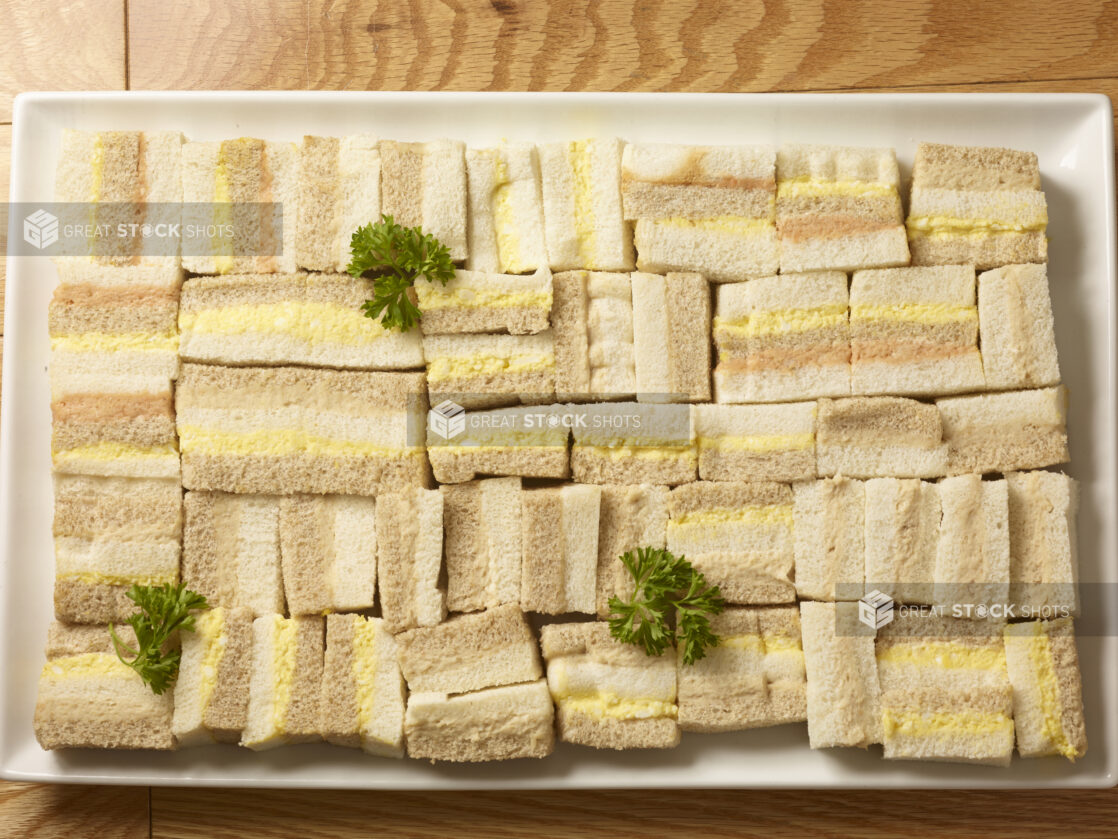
1072	135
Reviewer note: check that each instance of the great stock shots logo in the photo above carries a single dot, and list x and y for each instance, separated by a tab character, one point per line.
447	420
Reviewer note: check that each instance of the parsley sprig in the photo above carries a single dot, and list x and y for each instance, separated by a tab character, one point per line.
163	609
663	585
394	257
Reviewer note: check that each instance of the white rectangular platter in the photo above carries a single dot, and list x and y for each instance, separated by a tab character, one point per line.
1073	137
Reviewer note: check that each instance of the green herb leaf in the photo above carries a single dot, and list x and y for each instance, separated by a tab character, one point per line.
394	257
163	609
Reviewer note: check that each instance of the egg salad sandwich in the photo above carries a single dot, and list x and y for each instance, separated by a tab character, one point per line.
424	185
671	337
781	338
111	534
485	301
1043	669
972	552
285	686
708	209
583	221
482	543
285	430
253	185
505	229
1043	561
488	371
1018	334
89	699
901	535
328	553
560	549
739	535
114	355
363	694
630	517
211	691
609	695
828	538
976	206
592	317
409	537
755	442
843	694
338	192
837	208
880	436
609	449
754	677
1005	432
231	551
305	319
470	652
914	331
945	691
499	442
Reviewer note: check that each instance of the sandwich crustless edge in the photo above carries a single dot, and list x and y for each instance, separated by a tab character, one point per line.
1072	137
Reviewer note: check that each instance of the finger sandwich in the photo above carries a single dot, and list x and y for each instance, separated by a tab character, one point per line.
1043	561
829	538
211	691
285	686
755	442
902	531
1018	334
560	549
505	229
671	337
630	517
409	537
972	553
485	371
592	317
424	185
631	443
482	301
881	436
482	543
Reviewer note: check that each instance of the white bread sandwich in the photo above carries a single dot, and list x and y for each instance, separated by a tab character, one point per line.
671	337
1043	668
505	441
702	208
111	534
254	186
470	652
630	517
755	442
485	301
976	206
592	317
843	695
972	553
339	191
89	699
363	694
630	443
424	185
211	691
560	549
502	723
782	338
328	552
914	331
902	531
488	371
1005	432
305	319
1043	560
285	430
754	677
880	436
482	543
231	551
505	225
838	209
409	536
609	695
829	539
945	691
1015	322
285	686
583	221
739	535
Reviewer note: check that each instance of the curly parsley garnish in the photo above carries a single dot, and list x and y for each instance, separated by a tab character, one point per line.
163	609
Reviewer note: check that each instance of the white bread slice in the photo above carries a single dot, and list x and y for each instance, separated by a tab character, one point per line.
1016	328
972	553
828	536
755	442
630	517
211	690
560	549
902	529
424	185
1043	561
592	317
481	543
482	371
671	337
505	224
485	301
724	250
284	694
409	536
881	436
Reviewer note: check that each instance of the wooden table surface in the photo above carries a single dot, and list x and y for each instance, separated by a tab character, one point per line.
694	45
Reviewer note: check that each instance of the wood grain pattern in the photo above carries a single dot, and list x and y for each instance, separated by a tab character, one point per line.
37	811
72	45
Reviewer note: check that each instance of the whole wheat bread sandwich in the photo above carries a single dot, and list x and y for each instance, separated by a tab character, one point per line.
409	536
505	225
490	371
634	443
424	185
285	686
671	337
560	549
755	442
879	437
630	517
211	690
1043	556
592	318
486	301
901	535
482	543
